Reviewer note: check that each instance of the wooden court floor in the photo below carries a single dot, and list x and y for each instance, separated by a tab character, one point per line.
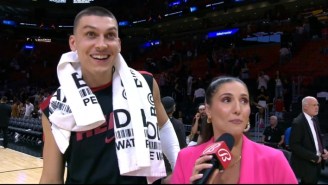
19	168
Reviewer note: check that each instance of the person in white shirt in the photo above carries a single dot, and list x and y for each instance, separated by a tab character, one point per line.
29	107
262	80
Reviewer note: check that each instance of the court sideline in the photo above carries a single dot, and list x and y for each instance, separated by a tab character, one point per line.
19	168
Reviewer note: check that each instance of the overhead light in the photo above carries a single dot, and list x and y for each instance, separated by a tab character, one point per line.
9	22
222	33
193	8
27	24
139	21
82	1
169	14
65	26
123	23
214	4
58	1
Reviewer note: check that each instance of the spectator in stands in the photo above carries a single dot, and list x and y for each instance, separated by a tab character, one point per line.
190	83
273	134
21	109
278	107
170	107
279	88
262	103
105	141
199	93
244	73
228	111
285	54
15	112
308	152
287	138
36	113
5	113
196	125
29	107
262	80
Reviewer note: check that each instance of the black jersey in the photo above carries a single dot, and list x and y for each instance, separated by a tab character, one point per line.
91	156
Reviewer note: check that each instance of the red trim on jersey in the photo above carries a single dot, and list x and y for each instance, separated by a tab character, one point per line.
146	72
43	105
95	89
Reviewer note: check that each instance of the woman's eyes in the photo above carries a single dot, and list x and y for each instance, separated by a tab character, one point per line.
245	100
228	99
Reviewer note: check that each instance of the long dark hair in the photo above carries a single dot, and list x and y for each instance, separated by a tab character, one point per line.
207	128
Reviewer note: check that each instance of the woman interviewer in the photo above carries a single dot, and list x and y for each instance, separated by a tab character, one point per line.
228	111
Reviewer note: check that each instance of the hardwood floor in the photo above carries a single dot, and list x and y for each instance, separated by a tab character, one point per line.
19	168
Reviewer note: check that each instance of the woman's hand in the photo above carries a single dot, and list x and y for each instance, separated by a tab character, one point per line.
197	116
200	164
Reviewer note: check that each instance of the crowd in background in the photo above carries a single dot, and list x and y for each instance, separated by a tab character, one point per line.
173	69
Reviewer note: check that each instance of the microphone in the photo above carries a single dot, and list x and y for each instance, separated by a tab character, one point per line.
221	156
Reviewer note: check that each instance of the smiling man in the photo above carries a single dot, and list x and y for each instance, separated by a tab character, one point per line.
105	117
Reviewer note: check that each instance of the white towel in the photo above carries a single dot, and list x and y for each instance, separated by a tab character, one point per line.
147	151
71	101
136	133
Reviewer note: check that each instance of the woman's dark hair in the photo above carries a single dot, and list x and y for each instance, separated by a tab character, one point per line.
214	86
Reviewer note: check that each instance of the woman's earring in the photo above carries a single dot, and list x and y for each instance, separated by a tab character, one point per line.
209	120
248	126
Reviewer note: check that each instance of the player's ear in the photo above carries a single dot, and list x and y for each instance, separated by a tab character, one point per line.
72	43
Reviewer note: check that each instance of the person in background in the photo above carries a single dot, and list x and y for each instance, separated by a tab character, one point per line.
228	111
196	126
190	83
263	100
5	113
36	113
278	107
199	93
279	88
287	138
273	135
29	107
262	80
169	106
308	153
15	112
88	124
21	108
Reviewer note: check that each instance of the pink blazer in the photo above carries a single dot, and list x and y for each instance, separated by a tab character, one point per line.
260	164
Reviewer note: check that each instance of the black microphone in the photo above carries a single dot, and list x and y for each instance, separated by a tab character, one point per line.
221	156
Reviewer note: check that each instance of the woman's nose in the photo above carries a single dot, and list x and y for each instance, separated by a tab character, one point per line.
237	107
